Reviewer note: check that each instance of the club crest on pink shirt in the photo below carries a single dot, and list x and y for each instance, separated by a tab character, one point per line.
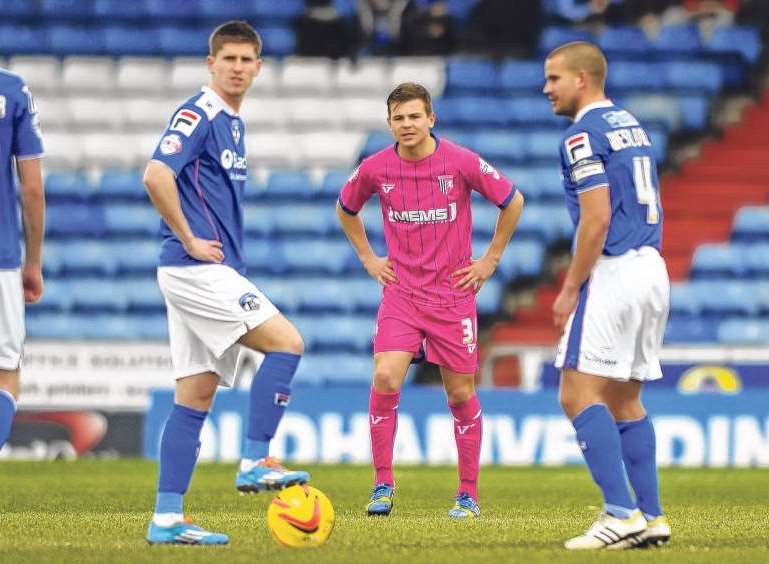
445	183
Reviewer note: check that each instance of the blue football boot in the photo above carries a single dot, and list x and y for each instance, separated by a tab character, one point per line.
269	474
465	507
183	533
381	502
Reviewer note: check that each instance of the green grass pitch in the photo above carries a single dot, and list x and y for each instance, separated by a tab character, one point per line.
97	511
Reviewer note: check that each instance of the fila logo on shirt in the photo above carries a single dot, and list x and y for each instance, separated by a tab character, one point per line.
578	147
185	121
282	399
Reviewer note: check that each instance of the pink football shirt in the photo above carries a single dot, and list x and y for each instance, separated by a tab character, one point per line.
426	213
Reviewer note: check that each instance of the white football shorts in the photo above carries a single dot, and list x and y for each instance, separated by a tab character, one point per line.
11	319
209	308
617	327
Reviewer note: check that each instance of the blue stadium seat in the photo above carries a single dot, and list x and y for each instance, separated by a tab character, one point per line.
343	333
294	184
718	261
751	224
86	257
285	10
530	111
364	294
119	10
332	183
555	36
655	108
142	295
230	10
280	291
470	110
684	299
744	332
172	10
694	76
633	75
543	145
132	220
487	300
13	9
58	10
131	40
728	298
541	183
332	257
264	256
376	142
303	219
24	39
323	295
541	222
659	139
56	297
54	253
72	39
121	185
278	41
678	39
258	219
689	330
75	219
624	39
484	219
180	41
68	187
97	295
522	258
153	326
744	40
499	146
695	111
48	325
137	257
756	260
466	76
336	369
519	76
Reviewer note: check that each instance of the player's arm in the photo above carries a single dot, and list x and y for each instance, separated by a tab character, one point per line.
594	218
482	269
33	218
160	182
379	268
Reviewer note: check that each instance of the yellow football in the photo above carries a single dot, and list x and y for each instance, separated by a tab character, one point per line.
300	516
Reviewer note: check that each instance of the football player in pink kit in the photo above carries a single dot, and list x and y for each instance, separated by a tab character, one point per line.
429	277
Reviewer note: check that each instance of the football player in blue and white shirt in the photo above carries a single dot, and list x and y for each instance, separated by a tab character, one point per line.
21	278
613	305
196	180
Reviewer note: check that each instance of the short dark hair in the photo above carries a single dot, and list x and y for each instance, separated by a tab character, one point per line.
407	91
236	31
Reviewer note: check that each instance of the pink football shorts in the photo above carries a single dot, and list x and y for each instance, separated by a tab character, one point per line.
447	334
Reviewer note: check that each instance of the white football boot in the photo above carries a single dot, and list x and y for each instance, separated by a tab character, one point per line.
608	532
656	533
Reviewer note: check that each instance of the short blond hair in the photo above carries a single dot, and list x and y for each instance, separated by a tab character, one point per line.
583	56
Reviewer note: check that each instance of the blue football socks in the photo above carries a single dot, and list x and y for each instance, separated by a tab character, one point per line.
599	440
639	452
269	396
7	412
179	449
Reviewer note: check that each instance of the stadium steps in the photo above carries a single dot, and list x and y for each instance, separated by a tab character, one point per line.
701	201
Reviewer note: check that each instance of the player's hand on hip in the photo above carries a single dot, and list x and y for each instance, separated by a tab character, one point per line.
204	249
563	306
32	282
475	275
381	270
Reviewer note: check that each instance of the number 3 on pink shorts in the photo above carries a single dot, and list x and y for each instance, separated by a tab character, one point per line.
468	335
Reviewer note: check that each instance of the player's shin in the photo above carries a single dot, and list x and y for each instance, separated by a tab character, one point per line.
639	452
383	424
179	447
599	440
468	430
269	396
7	412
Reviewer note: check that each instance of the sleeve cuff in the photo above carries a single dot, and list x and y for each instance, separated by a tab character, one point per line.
593	187
29	157
347	210
165	165
508	199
